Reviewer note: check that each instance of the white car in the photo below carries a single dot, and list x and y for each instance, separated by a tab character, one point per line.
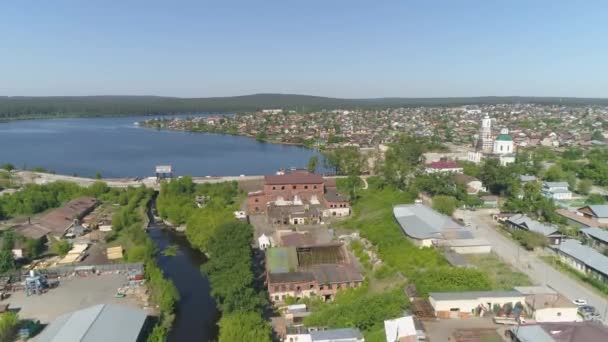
579	302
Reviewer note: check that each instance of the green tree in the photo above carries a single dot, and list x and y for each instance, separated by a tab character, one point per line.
597	135
98	175
595	199
401	159
7	167
244	327
584	186
555	173
445	204
312	164
7	262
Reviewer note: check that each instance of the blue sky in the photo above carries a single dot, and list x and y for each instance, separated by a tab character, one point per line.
328	48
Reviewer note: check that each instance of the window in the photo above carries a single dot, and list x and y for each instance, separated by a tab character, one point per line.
276	297
314	186
305	186
312	286
559	314
330	286
276	288
294	187
257	200
283	187
321	287
274	188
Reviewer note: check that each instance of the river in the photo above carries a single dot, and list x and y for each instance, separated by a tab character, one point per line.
196	313
116	148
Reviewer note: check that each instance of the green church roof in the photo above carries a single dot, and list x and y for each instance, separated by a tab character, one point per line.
504	137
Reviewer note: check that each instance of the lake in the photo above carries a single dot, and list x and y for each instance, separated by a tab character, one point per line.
117	148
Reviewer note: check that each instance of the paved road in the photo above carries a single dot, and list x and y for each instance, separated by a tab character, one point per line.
539	272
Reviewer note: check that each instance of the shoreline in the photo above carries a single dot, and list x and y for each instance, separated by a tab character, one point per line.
143	125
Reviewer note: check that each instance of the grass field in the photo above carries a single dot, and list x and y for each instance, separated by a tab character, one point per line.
502	275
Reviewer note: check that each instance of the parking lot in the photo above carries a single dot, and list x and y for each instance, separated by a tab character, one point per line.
72	294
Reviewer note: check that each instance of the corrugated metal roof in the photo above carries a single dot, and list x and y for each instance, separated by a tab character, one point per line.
532	225
585	254
421	222
99	323
597	233
345	334
531	333
600	210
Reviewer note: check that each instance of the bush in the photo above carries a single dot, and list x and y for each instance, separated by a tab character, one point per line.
60	247
244	327
8	325
529	240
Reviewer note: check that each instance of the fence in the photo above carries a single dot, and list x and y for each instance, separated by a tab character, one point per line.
53	272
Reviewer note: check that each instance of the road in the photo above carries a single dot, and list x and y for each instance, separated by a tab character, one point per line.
539	272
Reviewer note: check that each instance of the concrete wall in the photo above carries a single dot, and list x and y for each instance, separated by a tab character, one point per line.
468	305
557	315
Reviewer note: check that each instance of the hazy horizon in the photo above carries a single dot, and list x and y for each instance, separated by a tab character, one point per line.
339	49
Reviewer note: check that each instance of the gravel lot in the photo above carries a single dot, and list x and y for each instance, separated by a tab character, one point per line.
71	294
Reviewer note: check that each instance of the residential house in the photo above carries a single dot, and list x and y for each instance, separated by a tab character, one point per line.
426	227
598	213
471	184
551	307
583	258
556	191
490	201
549	231
559	332
443	166
527	178
596	237
578	219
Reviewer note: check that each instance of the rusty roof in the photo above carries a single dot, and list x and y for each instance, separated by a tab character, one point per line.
294	178
58	220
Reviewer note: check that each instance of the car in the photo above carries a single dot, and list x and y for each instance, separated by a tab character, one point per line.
579	302
587	309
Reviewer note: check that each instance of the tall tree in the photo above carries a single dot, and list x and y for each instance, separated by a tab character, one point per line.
312	164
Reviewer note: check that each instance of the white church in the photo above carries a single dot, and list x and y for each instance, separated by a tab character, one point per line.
501	147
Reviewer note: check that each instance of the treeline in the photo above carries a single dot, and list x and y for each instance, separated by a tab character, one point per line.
177	204
213	229
92	106
36	198
230	273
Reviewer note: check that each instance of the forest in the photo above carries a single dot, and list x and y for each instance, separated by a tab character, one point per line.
24	107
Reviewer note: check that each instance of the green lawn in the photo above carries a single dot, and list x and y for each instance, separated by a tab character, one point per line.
502	275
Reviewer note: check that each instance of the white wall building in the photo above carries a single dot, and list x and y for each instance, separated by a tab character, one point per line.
503	143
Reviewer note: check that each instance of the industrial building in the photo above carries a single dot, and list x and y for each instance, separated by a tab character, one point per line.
104	322
426	228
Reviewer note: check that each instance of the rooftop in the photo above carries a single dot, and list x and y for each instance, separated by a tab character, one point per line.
504	137
578	218
346	334
585	254
546	300
99	323
443	165
599	210
293	178
533	225
421	222
596	233
399	327
562	332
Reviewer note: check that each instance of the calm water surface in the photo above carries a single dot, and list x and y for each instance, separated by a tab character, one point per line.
115	147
